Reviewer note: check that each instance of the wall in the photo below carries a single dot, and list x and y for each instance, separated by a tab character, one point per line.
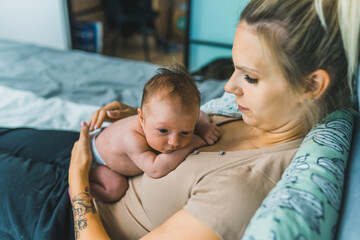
167	21
212	28
41	22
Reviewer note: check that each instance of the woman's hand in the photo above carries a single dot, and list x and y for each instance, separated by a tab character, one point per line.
81	157
87	224
110	113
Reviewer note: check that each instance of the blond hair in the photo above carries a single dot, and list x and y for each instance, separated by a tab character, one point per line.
349	12
306	35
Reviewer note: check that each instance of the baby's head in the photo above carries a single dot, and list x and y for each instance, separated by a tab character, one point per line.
169	110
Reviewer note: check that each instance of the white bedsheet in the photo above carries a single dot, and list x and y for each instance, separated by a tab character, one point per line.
24	109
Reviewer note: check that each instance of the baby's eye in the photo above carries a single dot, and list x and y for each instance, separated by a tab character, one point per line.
250	80
184	133
163	130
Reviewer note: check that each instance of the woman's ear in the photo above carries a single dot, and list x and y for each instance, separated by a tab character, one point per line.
140	115
317	83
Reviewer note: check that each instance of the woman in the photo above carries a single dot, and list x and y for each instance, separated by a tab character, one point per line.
290	71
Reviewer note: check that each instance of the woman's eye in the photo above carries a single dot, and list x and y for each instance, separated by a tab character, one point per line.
163	130
250	80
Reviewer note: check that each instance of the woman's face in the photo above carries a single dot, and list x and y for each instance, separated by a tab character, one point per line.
265	99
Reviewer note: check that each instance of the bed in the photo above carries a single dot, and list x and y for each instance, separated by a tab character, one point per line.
50	89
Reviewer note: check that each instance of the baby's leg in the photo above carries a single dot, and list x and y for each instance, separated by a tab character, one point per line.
107	185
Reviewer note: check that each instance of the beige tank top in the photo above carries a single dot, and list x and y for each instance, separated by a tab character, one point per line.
222	191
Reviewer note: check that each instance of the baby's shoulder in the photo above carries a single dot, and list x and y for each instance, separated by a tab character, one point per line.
123	125
133	133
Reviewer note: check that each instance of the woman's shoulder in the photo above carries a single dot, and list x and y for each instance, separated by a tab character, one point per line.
221	119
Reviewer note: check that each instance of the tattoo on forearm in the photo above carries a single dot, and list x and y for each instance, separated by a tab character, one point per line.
82	204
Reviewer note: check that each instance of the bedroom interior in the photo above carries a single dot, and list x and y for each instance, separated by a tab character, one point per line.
48	83
164	42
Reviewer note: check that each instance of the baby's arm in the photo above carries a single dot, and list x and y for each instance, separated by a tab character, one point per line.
206	130
158	165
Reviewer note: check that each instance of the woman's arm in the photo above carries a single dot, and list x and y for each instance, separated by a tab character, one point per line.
110	112
182	226
87	222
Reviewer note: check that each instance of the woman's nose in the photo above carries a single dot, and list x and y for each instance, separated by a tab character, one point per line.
233	88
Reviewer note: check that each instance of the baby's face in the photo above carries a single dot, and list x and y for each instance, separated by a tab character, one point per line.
167	125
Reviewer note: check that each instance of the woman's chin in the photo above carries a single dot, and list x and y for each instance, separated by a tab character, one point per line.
248	120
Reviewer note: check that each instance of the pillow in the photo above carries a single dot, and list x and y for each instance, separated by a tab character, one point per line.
225	105
306	201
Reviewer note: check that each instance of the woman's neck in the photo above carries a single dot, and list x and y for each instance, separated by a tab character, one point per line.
278	136
238	136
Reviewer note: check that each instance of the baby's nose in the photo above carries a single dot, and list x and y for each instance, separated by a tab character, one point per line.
174	146
174	143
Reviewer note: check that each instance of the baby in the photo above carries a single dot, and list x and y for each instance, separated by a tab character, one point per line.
156	140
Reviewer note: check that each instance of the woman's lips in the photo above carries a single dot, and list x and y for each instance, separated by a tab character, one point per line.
242	108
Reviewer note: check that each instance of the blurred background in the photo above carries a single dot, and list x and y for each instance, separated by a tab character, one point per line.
194	33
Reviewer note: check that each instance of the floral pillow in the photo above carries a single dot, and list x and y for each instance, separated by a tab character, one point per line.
225	105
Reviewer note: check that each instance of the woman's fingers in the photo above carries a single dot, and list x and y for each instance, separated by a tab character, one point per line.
110	112
97	119
81	156
117	110
101	117
114	105
93	120
81	159
113	114
84	132
113	109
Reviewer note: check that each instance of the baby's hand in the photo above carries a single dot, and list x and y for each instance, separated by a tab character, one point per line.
209	132
198	142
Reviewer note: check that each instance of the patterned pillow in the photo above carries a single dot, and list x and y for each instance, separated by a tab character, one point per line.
305	203
225	105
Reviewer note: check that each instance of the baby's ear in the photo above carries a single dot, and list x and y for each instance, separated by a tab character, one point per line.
140	115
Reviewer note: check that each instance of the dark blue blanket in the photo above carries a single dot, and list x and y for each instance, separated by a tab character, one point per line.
34	203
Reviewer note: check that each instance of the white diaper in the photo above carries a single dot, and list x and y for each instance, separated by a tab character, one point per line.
97	160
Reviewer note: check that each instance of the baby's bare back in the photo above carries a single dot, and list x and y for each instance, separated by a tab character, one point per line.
112	144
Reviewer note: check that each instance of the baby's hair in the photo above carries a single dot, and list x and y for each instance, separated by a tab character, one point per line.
172	82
